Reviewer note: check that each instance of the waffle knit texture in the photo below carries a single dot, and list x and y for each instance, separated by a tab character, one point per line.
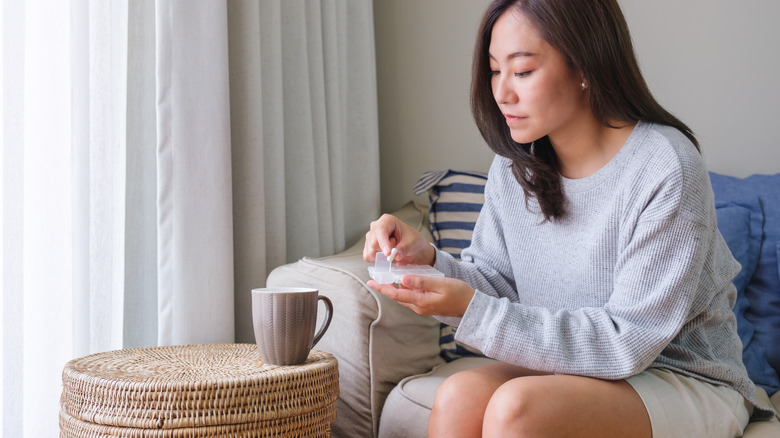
636	275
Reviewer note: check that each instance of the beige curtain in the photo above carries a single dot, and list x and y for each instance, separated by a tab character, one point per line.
158	159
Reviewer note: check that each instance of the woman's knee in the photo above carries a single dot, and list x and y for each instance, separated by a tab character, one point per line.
460	387
534	406
473	388
517	406
459	406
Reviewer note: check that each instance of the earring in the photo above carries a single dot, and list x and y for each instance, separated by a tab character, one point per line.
584	85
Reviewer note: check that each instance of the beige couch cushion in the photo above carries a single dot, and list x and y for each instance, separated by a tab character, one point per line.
765	429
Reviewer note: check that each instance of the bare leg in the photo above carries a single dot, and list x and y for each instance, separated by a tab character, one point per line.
461	400
566	406
503	400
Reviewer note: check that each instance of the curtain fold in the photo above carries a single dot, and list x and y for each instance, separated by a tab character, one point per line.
37	212
304	134
12	44
140	300
195	220
105	173
159	158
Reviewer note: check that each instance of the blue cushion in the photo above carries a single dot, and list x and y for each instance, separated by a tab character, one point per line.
741	227
763	290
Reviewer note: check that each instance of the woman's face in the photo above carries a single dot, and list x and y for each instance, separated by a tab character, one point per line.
538	93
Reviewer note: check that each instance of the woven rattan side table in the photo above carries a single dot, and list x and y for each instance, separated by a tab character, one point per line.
214	390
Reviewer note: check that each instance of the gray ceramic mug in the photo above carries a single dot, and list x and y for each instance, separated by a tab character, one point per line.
284	320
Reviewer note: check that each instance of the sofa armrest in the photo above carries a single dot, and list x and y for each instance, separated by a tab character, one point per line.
377	342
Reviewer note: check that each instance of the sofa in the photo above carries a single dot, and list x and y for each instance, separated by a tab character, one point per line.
391	360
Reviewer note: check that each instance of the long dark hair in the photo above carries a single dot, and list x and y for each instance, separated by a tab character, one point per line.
593	37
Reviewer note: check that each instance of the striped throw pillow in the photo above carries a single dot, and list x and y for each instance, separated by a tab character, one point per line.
452	349
456	198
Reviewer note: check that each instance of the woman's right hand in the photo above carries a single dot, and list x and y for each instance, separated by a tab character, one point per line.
389	232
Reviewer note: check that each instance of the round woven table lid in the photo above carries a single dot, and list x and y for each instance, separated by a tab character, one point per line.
194	386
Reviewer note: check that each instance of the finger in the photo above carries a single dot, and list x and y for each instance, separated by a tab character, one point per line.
370	248
409	298
443	296
419	282
370	251
386	231
377	233
388	290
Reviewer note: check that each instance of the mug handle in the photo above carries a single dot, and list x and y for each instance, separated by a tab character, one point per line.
328	317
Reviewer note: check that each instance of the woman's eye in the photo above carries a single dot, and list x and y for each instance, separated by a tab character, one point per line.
494	72
522	74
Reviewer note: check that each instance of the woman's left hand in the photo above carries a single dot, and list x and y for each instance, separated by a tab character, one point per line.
429	296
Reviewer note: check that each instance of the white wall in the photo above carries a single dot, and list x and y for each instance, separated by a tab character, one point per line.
423	72
713	63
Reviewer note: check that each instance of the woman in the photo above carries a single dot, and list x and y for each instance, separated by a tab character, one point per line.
596	275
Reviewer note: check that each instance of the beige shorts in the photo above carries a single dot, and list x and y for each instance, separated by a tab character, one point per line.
681	406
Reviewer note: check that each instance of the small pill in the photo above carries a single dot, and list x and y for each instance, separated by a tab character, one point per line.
392	255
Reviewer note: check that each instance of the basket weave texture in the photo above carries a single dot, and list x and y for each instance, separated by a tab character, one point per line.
211	390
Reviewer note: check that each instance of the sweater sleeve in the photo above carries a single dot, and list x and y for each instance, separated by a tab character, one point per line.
485	263
655	284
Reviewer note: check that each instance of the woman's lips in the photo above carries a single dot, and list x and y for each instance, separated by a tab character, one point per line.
511	118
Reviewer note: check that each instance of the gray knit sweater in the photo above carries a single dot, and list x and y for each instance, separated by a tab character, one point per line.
637	275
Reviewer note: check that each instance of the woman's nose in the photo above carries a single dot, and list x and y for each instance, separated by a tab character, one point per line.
502	90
